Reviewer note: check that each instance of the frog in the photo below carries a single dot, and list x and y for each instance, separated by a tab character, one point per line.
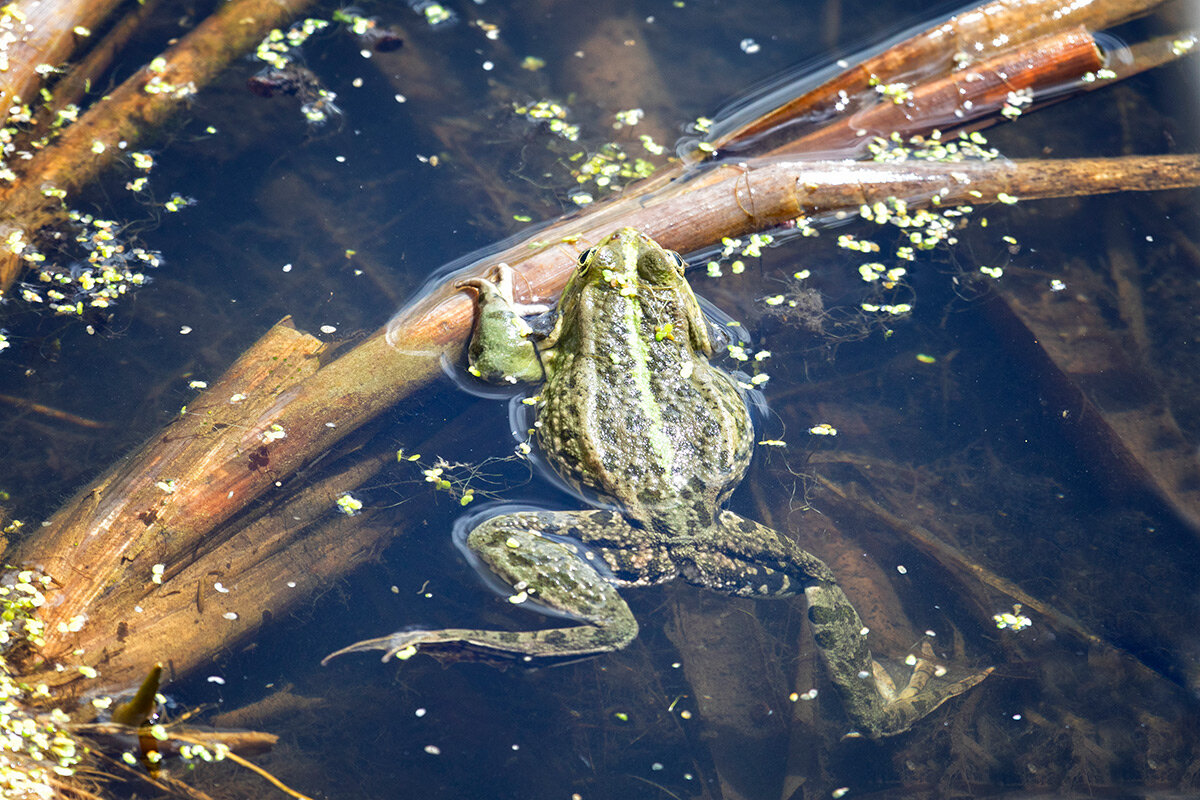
635	417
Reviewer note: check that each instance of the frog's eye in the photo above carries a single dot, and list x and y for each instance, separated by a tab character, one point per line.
585	255
678	259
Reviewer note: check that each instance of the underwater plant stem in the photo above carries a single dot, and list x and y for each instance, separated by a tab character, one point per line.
49	412
242	762
131	111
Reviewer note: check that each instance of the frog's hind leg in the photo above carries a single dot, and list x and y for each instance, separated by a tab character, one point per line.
746	558
530	552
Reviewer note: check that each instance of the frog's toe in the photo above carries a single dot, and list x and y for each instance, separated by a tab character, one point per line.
931	679
401	645
929	685
484	287
499	280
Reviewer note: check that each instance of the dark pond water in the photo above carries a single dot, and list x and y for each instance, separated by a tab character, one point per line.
953	423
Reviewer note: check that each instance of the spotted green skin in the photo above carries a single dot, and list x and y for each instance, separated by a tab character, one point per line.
634	416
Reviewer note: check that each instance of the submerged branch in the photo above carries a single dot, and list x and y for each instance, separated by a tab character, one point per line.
955	560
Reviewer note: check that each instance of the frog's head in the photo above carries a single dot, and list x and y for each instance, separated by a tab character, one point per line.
632	264
627	259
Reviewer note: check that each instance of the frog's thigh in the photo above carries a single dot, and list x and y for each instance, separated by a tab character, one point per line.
626	555
526	550
746	558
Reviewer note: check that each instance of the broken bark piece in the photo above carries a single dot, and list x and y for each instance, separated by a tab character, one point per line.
140	512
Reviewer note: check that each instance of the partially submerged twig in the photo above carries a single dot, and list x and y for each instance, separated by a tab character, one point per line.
43	33
79	77
1040	68
960	43
243	741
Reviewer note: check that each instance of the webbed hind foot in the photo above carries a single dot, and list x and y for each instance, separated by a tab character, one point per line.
868	689
401	645
928	686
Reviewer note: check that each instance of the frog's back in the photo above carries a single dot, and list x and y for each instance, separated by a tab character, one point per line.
633	414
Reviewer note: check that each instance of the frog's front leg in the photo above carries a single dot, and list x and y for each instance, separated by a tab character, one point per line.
532	553
501	349
746	558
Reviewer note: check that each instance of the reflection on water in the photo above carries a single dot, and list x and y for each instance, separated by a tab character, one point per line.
967	468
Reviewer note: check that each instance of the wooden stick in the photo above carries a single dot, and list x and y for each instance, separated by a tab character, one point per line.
961	41
242	741
44	33
1041	66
